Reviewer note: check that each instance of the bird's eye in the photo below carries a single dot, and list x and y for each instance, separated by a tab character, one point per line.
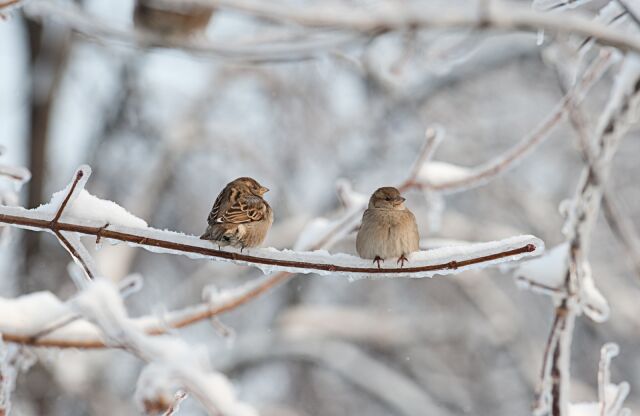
387	199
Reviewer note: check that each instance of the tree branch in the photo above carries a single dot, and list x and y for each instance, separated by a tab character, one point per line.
257	50
508	16
269	259
482	174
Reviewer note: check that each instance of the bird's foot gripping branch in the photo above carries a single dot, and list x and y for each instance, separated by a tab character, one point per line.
73	213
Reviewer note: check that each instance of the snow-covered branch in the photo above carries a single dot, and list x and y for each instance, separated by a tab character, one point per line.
348	25
172	363
114	225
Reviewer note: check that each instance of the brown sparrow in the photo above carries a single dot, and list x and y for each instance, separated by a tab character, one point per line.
388	228
173	19
239	217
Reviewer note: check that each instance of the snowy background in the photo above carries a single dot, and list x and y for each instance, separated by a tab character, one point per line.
164	130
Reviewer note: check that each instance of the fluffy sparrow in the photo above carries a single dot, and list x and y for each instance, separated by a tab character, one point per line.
239	217
171	20
388	228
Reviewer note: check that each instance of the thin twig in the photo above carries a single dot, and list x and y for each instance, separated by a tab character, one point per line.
67	197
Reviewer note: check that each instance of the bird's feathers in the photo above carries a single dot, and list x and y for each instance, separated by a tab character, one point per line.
239	216
387	233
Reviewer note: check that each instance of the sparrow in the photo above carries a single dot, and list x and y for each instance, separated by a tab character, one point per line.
240	217
388	228
171	20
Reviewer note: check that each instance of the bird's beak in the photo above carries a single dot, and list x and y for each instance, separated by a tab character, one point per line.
264	190
398	200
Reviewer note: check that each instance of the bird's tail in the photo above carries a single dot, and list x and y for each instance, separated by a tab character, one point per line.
218	233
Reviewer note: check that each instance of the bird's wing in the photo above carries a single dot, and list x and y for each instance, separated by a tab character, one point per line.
246	209
222	199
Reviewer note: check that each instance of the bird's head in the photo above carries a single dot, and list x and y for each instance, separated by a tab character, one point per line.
387	198
251	186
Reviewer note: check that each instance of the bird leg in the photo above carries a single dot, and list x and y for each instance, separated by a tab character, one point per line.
377	260
402	259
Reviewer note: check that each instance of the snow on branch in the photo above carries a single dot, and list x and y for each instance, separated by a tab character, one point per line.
115	225
173	364
338	26
260	49
508	16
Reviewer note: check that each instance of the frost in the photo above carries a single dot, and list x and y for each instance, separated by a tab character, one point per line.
593	303
610	396
13	358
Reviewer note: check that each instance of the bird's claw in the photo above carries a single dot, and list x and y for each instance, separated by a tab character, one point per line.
401	260
377	260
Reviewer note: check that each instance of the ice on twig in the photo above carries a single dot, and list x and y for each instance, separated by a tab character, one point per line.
611	396
592	302
548	270
349	197
130	284
17	174
436	173
80	256
548	5
13	359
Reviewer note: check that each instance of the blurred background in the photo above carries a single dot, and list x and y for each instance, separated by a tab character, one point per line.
165	129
